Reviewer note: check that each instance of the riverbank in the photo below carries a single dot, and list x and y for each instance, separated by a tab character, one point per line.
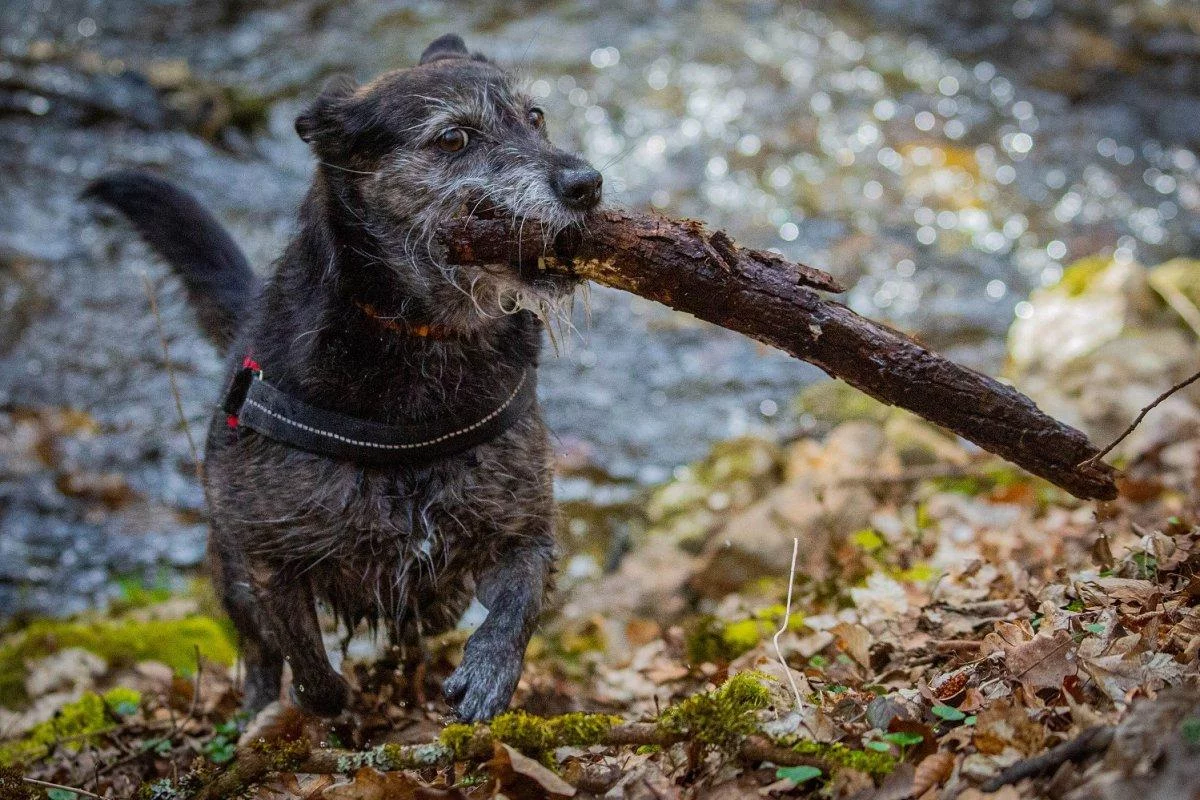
951	618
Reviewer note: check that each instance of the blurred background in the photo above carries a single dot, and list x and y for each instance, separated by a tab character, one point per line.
943	158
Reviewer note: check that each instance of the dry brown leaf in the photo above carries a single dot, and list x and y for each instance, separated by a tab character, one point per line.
518	773
1004	793
1041	662
290	786
640	631
1103	591
1005	724
896	786
933	771
855	640
371	784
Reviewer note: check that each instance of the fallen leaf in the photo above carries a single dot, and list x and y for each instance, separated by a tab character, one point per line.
933	770
371	784
512	769
855	640
1005	725
1041	662
1103	591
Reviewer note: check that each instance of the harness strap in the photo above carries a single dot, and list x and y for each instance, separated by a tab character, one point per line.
254	403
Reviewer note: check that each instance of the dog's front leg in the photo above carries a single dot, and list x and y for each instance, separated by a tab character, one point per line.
512	589
292	615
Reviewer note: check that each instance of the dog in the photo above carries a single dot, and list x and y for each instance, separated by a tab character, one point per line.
379	446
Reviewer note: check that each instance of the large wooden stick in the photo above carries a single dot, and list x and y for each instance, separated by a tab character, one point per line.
681	264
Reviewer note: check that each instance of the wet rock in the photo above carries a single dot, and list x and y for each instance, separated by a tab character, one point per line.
54	84
822	498
1100	346
71	669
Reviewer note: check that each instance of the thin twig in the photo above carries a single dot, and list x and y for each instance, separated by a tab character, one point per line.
1141	416
196	685
162	338
787	620
1093	740
50	785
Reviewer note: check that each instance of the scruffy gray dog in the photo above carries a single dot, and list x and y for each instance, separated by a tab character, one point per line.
379	446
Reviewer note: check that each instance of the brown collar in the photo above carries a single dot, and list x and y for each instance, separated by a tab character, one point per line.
423	330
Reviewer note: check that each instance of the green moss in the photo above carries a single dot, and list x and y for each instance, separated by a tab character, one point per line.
121	642
739	637
136	594
527	733
457	738
869	540
73	725
283	756
578	729
534	736
917	573
875	764
723	716
710	639
1079	275
703	641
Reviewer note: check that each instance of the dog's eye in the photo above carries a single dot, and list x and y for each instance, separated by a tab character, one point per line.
453	140
537	117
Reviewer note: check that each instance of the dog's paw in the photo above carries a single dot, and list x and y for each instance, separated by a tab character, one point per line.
484	682
326	698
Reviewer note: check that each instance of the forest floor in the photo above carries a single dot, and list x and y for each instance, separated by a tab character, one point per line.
957	629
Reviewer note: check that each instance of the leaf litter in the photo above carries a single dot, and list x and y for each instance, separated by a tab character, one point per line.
957	629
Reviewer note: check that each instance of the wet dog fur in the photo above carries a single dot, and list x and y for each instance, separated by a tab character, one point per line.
403	547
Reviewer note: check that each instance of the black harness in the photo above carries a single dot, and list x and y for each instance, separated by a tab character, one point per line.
251	402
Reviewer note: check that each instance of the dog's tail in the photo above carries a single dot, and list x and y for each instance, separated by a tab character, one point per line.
215	272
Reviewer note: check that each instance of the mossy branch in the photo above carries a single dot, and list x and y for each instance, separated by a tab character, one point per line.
725	718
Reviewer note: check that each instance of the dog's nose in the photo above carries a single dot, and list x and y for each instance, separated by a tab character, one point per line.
578	187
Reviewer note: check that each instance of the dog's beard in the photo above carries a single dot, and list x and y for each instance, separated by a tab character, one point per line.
493	291
551	301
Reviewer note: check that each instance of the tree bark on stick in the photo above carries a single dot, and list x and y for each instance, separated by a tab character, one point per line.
683	265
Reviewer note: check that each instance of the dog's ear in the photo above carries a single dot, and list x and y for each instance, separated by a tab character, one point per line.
319	123
449	46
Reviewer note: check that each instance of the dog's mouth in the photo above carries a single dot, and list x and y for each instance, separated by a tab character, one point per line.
541	253
551	268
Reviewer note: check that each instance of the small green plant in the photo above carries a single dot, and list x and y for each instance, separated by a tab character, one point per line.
1190	728
1147	565
948	713
797	775
222	747
903	740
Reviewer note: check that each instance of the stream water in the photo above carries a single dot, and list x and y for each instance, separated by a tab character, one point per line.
943	158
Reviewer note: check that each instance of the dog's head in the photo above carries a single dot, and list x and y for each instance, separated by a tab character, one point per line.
418	146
